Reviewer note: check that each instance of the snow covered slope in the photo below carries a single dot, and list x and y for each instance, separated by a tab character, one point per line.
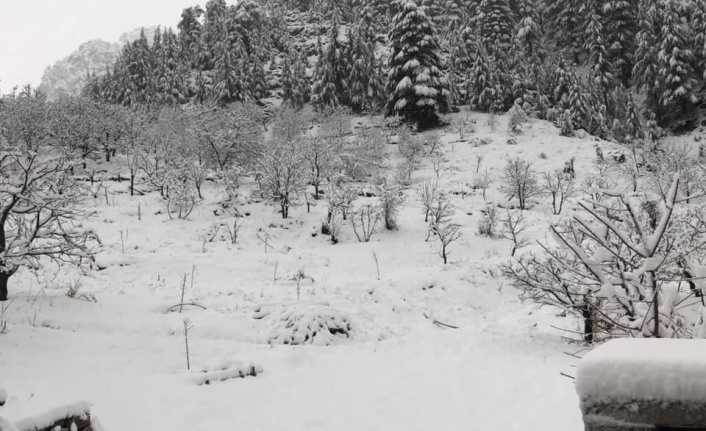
116	345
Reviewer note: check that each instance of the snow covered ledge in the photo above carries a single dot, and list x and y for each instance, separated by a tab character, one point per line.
644	384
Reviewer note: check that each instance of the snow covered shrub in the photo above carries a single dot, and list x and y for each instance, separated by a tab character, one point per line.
304	323
482	181
516	118
465	125
566	124
487	222
519	181
618	271
364	156
391	200
332	226
411	148
181	198
492	122
364	221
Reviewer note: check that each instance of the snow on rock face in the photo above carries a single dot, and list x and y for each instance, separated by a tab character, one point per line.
672	370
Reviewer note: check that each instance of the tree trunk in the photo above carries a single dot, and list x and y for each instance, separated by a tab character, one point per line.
4	277
132	185
587	323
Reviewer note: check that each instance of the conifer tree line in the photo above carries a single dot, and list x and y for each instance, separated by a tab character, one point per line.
610	67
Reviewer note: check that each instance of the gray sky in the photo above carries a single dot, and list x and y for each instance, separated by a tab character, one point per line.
36	33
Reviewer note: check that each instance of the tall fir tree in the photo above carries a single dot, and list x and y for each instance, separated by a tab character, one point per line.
214	32
417	90
646	68
676	72
496	25
529	30
482	82
621	26
190	30
565	22
331	75
599	65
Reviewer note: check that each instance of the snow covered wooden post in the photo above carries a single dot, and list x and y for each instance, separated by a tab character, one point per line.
644	384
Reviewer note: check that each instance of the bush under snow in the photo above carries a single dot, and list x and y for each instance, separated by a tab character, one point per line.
304	323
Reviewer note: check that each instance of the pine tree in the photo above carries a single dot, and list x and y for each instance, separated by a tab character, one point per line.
481	82
633	124
676	71
171	85
302	86
620	30
496	25
698	24
646	69
579	105
529	30
190	30
565	21
138	72
257	81
214	32
600	67
228	83
331	74
416	88
358	79
287	81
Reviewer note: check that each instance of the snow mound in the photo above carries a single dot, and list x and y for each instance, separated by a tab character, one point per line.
647	369
6	425
226	371
304	323
3	397
79	409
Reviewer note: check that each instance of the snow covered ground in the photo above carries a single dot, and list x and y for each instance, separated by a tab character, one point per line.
124	353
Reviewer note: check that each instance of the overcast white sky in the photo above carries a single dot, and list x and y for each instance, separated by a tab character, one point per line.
36	33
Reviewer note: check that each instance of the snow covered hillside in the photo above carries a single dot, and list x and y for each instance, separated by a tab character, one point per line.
398	364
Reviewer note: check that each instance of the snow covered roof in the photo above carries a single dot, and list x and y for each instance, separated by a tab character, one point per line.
644	369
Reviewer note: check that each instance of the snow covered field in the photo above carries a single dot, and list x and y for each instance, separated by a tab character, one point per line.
124	353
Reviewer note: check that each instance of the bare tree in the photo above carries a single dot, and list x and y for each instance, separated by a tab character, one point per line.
39	215
232	134
520	181
282	171
364	221
513	228
322	156
427	194
441	228
560	187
